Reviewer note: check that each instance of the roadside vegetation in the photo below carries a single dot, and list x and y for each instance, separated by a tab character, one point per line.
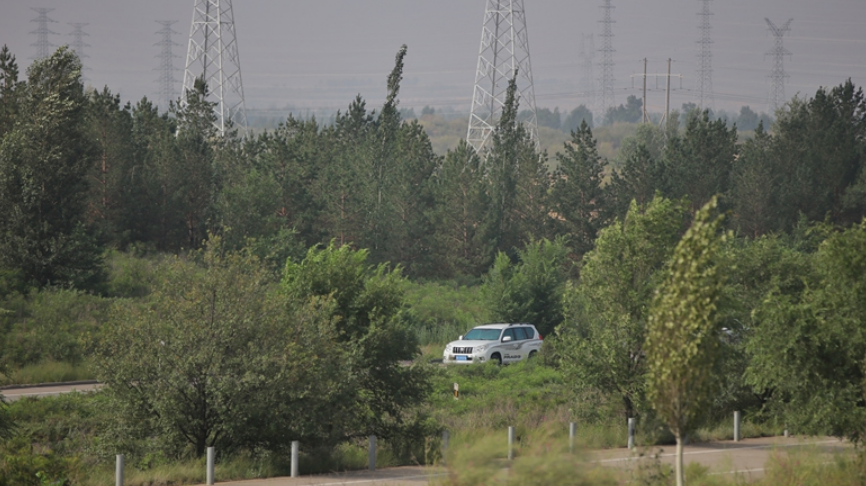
243	292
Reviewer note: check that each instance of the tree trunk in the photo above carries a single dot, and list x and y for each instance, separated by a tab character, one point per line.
679	463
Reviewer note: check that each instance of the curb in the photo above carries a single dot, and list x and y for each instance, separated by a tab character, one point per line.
46	385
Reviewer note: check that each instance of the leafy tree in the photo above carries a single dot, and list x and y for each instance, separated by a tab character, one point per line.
603	333
576	118
698	164
460	205
43	162
808	348
531	290
748	119
10	89
631	112
373	391
213	359
682	338
577	196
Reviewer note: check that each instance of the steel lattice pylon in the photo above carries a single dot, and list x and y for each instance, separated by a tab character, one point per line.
213	56
607	81
167	81
778	75
705	58
504	51
78	44
43	45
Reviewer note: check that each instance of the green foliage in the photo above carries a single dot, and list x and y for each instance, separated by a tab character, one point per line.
441	311
682	338
577	196
602	337
531	290
43	161
631	112
576	118
808	347
370	392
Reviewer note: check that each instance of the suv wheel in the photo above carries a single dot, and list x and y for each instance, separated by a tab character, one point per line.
496	357
533	354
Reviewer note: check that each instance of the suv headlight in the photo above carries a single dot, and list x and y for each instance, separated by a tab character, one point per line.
447	347
480	349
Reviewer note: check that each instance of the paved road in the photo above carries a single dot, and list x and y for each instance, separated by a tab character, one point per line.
394	476
746	458
13	394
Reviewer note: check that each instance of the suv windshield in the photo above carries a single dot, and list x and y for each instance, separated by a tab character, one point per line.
478	334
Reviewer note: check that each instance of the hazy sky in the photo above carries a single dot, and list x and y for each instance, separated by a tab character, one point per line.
320	53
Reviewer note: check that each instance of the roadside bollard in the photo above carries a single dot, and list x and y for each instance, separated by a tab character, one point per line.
372	453
736	426
510	443
445	438
572	429
294	458
118	470
210	465
456	392
631	433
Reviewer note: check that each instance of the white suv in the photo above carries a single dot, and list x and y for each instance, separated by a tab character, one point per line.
501	343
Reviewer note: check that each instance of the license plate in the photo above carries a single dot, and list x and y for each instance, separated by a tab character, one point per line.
461	358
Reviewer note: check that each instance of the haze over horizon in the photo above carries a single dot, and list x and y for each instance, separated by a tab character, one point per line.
319	55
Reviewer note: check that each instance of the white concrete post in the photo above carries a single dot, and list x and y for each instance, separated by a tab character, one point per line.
510	443
736	426
372	453
294	458
210	465
118	470
631	433
572	429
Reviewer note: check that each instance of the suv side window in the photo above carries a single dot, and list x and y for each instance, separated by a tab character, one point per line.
509	332
530	333
521	333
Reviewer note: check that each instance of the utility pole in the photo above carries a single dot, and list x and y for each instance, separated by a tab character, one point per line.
212	55
504	51
43	45
705	58
667	97
607	81
645	116
78	44
778	74
167	81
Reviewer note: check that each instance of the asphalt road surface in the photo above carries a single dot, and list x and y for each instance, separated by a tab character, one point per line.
46	390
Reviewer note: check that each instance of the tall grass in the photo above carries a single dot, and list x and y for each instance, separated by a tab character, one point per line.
47	372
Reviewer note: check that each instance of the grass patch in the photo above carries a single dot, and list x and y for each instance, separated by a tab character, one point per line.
47	372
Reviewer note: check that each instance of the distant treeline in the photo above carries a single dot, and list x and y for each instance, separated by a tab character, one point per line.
80	172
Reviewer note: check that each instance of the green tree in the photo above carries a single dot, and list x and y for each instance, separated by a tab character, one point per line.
630	112
748	119
365	303
460	205
602	337
43	162
213	358
577	196
807	351
577	117
682	338
9	91
754	182
531	290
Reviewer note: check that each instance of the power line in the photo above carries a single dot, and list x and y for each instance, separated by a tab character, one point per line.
167	82
212	56
504	51
705	58
778	74
43	45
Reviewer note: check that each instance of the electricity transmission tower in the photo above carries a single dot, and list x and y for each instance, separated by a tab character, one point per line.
167	81
587	59
212	55
705	58
504	51
43	45
78	44
778	74
607	80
